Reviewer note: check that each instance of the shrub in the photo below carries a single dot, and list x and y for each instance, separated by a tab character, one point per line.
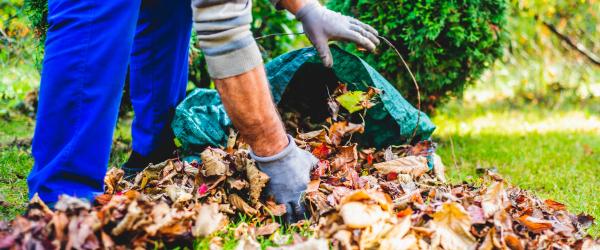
447	44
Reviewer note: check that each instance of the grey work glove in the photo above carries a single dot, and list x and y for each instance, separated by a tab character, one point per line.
289	171
322	25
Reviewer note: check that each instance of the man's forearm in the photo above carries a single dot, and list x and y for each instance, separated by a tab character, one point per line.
293	6
249	104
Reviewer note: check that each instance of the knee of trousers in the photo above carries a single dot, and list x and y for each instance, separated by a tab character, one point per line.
223	31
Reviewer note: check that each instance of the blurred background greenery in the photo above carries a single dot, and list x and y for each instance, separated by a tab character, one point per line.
513	85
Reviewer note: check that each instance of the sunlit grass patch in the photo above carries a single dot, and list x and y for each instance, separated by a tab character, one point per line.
555	154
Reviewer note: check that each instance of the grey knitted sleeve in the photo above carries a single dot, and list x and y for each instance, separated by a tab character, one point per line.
223	29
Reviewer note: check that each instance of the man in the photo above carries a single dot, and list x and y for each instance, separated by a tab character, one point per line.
89	46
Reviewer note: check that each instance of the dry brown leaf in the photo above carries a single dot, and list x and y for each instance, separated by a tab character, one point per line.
346	158
241	205
380	198
413	165
231	140
344	239
208	220
536	225
247	243
385	235
134	213
258	180
275	209
310	244
318	135
451	225
267	229
512	241
237	184
439	169
555	205
408	242
477	214
360	215
112	179
494	199
213	162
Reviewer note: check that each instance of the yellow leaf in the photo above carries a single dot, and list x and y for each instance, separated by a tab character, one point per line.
451	225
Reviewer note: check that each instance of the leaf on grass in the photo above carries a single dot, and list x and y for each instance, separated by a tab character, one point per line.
267	229
534	224
451	225
555	205
275	209
413	165
241	205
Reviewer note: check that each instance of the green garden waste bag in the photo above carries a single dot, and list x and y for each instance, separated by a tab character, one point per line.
299	79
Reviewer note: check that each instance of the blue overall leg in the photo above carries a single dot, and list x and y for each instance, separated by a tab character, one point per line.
159	73
88	47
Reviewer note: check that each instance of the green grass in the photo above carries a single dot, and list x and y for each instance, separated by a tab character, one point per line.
15	164
554	153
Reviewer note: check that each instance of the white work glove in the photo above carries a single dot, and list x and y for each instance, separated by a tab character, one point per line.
289	171
322	25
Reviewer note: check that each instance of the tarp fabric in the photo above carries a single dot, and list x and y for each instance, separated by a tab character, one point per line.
200	120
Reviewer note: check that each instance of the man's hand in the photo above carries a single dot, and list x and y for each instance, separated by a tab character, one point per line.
322	25
290	173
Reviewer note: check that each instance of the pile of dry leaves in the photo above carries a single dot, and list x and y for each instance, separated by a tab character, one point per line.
359	198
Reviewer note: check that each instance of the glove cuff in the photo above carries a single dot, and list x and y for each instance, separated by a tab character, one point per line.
285	152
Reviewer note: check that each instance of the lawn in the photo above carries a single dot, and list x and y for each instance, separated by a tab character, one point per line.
552	151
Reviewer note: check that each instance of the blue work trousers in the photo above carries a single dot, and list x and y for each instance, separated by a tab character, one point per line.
89	46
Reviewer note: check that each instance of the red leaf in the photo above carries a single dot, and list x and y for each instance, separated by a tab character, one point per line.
392	176
203	189
321	151
370	159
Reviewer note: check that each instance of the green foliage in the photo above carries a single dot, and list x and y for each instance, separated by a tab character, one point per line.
37	13
16	52
540	67
15	34
447	44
